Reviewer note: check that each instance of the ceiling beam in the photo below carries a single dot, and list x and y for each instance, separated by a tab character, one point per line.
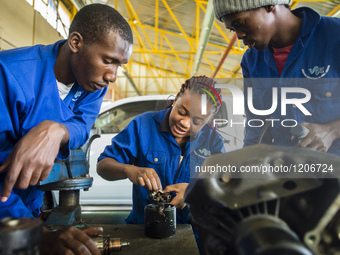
335	12
204	36
78	4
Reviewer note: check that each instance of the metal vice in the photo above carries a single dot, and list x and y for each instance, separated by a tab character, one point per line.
69	177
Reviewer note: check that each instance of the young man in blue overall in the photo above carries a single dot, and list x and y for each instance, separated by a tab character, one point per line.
50	96
296	48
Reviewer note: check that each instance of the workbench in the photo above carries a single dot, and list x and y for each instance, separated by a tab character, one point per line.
182	243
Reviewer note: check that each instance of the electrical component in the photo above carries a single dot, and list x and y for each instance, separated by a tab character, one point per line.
160	216
106	244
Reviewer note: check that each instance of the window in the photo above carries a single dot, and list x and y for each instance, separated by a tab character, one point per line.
55	13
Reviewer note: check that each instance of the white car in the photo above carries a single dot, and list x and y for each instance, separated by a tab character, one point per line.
115	117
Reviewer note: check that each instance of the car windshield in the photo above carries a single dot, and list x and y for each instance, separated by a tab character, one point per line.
117	118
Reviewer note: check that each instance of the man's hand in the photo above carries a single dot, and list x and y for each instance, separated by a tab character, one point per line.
69	241
179	188
146	177
33	156
320	137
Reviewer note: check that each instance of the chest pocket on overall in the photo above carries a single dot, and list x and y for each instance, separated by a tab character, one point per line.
326	101
156	158
161	163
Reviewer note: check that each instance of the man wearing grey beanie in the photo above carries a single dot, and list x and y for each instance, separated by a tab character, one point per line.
288	51
300	45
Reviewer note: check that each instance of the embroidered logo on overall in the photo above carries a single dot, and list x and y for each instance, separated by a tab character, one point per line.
204	152
316	72
76	96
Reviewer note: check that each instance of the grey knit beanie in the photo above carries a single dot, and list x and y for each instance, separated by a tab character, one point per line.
223	7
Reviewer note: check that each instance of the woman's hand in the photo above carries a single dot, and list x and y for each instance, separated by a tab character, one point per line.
179	189
146	177
69	240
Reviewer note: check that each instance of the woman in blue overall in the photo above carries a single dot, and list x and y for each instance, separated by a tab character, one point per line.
160	149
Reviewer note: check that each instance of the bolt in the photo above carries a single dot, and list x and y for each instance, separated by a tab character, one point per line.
225	179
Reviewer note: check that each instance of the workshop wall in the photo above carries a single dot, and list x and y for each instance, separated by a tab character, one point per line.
21	25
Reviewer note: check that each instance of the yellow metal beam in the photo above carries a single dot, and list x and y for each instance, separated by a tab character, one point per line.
334	11
176	20
156	22
185	55
177	57
154	40
192	40
293	4
136	18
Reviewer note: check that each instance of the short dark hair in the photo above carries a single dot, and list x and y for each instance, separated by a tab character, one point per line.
95	21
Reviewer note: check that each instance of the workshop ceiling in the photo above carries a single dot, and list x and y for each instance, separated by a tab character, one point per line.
167	35
175	39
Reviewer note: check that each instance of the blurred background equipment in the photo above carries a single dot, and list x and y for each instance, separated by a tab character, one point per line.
20	236
268	212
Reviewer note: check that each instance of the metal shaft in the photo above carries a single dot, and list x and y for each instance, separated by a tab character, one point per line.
69	197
